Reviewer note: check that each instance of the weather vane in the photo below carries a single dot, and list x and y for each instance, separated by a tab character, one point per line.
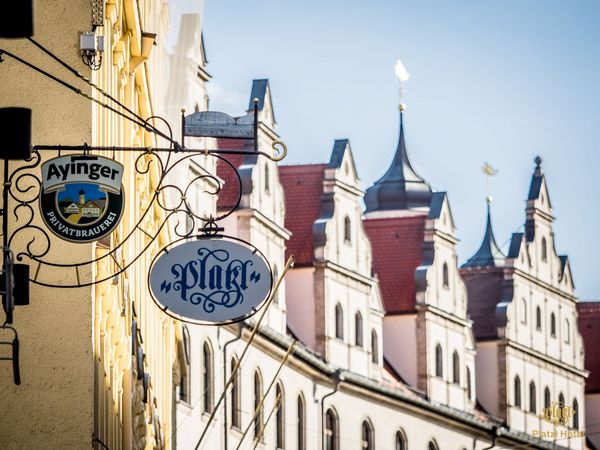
403	76
489	172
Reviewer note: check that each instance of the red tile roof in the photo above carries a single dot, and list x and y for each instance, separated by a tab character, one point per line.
228	195
589	327
303	187
397	245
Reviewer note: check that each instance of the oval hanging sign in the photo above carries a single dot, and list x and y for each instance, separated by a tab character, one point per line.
210	279
82	196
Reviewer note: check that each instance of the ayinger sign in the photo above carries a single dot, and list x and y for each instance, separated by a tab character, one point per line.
211	279
81	199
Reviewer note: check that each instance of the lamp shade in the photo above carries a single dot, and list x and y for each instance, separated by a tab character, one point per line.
15	129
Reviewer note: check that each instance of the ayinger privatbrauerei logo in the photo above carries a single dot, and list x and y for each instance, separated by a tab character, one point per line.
81	198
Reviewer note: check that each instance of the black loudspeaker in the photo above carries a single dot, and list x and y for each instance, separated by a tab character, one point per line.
17	21
15	129
21	284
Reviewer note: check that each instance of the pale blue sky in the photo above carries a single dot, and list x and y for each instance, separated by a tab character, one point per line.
495	81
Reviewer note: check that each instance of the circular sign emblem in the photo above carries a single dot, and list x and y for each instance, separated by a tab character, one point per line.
210	280
81	199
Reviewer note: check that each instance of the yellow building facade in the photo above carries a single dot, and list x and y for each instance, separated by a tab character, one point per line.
97	361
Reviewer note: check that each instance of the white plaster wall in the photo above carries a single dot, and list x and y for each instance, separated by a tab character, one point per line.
486	371
400	345
300	300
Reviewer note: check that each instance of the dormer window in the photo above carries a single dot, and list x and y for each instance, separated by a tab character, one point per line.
347	229
552	325
439	367
358	330
339	321
544	250
267	187
538	318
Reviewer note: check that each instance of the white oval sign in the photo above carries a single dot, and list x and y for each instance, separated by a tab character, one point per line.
210	280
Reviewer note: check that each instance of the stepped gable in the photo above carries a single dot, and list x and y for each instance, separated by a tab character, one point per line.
589	327
397	244
303	187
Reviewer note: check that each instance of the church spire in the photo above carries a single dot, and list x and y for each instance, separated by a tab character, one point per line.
401	187
489	253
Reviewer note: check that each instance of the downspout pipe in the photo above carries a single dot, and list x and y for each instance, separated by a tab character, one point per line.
494	438
337	376
225	424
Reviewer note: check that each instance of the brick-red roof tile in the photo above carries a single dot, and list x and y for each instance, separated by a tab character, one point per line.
303	187
589	327
397	245
228	195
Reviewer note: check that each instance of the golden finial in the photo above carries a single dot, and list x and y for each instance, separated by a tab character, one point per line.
489	172
403	77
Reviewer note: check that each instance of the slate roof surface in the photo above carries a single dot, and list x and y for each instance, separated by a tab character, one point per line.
589	327
397	245
303	187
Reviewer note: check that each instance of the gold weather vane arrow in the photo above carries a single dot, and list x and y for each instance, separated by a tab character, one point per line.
489	172
403	77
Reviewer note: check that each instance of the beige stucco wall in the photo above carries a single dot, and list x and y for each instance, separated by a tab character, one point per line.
53	407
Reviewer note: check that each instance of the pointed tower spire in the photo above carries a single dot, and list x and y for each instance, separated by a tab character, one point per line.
401	187
489	253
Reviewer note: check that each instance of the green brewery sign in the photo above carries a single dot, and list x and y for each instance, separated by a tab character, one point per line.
82	196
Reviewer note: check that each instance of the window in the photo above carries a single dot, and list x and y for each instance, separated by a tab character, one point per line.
258	407
374	347
400	441
331	431
567	331
517	391
561	400
445	282
538	318
267	187
544	250
469	386
279	417
532	398
301	423
358	330
347	229
552	325
439	366
575	414
455	368
235	394
339	321
207	377
432	445
367	436
523	311
546	398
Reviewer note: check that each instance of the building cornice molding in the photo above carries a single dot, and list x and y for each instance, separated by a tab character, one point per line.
538	355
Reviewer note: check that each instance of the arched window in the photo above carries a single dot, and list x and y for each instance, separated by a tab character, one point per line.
339	321
546	398
523	311
347	229
544	250
235	393
267	187
358	329
301	417
445	281
517	391
400	441
455	368
532	398
279	418
538	318
575	414
469	386
184	380
258	407
552	325
207	377
439	361
367	436
432	445
331	431
561	400
374	347
567	331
